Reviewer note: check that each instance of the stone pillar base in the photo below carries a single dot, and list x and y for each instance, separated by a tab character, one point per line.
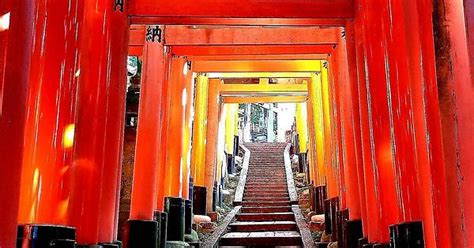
141	233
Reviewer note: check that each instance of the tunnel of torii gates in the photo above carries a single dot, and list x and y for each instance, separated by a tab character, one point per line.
388	87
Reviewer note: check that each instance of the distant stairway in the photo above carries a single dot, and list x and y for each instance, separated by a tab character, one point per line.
266	218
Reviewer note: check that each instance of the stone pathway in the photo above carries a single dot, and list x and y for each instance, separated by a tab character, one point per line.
266	218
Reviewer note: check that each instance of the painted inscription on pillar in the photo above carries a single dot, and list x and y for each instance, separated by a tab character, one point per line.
325	64
118	5
153	33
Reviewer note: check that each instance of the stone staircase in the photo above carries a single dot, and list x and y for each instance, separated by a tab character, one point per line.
266	218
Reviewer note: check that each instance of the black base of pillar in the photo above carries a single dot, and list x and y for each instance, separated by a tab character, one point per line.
302	162
191	188
176	214
312	194
89	246
116	244
353	233
361	242
342	218
331	217
215	197
141	233
188	223
162	219
33	235
199	200
327	216
319	196
321	244
230	163
381	246
408	234
236	145
375	246
221	195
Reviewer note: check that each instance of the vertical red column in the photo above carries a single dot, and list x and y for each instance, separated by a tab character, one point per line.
338	162
49	128
165	105
147	151
355	122
401	115
13	111
428	126
347	135
187	130
456	99
374	222
117	52
173	172
379	174
99	88
331	177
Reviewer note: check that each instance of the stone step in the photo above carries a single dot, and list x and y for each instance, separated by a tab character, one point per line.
266	209
262	184
259	188
275	216
259	226
263	192
266	182
261	203
261	238
266	198
268	186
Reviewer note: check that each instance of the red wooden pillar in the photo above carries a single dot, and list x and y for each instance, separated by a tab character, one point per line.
187	130
378	160
331	171
356	125
13	101
453	27
380	116
165	108
338	162
374	222
148	149
401	118
430	169
111	181
49	128
101	64
173	172
349	157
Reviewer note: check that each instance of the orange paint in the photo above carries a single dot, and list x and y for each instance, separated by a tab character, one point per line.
163	139
13	101
147	149
100	109
51	96
211	139
173	172
187	131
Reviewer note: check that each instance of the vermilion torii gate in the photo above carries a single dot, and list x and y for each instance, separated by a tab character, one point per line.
395	103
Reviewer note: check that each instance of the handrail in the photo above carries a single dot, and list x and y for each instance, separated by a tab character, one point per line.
289	176
239	192
306	237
